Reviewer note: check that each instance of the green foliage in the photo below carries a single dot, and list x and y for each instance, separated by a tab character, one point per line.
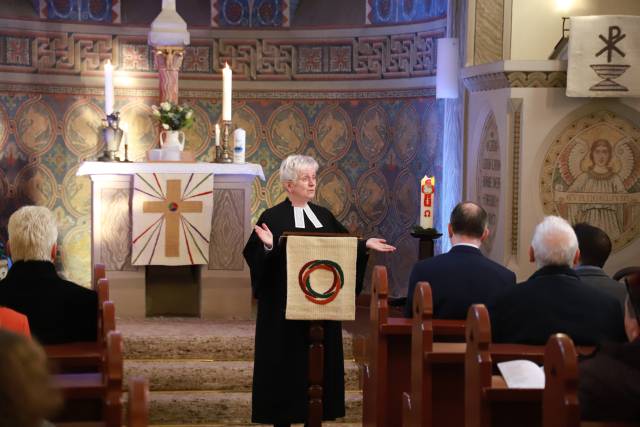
174	116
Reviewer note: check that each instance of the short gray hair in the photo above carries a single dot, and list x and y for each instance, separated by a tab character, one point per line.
292	165
32	234
554	242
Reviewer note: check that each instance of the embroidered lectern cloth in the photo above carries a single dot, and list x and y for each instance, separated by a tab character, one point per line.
171	218
604	56
321	278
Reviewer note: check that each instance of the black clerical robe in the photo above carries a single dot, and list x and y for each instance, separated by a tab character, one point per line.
280	373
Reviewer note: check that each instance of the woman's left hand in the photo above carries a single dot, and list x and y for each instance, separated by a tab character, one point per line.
379	245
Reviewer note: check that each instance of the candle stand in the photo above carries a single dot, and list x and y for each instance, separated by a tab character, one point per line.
223	153
426	244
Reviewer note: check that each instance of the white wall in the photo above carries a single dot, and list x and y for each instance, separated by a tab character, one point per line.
545	111
536	25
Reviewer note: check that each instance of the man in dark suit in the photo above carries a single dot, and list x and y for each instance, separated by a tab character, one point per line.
595	247
462	276
554	299
609	386
59	311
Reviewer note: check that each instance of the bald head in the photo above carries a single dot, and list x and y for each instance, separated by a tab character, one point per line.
554	243
468	219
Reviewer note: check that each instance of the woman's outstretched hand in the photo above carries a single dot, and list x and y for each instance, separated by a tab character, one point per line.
264	234
379	245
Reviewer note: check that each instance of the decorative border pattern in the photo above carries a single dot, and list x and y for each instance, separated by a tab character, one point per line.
516	129
390	56
512	79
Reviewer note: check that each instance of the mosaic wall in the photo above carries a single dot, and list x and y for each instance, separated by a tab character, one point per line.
591	174
250	13
488	31
386	12
103	11
372	154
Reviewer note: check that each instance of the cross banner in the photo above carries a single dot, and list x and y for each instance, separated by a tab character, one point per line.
321	278
171	218
604	56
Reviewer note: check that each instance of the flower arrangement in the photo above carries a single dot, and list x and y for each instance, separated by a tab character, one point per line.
173	116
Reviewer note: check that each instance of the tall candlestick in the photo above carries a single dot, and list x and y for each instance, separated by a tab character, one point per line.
108	87
217	134
427	196
226	93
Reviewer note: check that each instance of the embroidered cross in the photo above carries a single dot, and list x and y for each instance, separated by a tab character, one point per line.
172	207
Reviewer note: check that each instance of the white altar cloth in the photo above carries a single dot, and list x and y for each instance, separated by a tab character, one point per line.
122	168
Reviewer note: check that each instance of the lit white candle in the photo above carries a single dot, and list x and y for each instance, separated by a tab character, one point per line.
427	196
217	134
226	92
108	88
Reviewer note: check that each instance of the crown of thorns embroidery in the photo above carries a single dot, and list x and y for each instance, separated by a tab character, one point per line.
304	279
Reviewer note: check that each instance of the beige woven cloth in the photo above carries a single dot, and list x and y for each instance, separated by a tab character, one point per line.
330	262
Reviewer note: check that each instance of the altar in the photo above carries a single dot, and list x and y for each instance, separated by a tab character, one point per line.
220	289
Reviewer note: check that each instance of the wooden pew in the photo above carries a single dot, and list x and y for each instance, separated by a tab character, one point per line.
386	370
436	393
488	401
81	389
138	403
84	355
560	405
99	272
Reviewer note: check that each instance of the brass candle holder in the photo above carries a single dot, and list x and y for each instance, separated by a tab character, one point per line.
223	154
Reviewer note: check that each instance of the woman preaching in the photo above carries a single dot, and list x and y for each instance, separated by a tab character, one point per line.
281	346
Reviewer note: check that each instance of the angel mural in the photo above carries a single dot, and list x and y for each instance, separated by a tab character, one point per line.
597	180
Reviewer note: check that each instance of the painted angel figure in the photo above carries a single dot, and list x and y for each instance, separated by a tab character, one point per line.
599	176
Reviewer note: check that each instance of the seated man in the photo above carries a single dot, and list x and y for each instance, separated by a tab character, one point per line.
462	276
595	247
554	299
59	311
609	386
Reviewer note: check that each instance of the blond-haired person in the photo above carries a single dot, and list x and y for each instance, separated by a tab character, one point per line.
59	311
27	395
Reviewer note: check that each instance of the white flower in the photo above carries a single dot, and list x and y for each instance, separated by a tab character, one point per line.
166	106
189	114
156	112
165	126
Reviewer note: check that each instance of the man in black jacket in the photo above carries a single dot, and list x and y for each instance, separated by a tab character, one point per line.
59	311
462	276
609	386
554	299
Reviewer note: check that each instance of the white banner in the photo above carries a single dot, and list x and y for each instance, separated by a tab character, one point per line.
171	218
604	56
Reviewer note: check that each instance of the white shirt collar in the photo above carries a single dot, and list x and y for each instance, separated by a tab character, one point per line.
466	244
299	214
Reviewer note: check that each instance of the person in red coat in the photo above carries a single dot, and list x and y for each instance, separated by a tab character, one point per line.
13	321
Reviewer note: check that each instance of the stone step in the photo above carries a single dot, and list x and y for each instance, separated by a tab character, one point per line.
325	423
169	375
220	408
187	338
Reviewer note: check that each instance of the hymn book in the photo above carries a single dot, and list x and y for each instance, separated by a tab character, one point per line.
522	374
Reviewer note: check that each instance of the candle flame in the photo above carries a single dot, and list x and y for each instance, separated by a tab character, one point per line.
107	65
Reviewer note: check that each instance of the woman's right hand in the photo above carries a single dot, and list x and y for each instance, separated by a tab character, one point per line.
264	234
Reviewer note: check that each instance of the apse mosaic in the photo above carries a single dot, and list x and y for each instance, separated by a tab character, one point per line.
591	174
372	154
385	12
